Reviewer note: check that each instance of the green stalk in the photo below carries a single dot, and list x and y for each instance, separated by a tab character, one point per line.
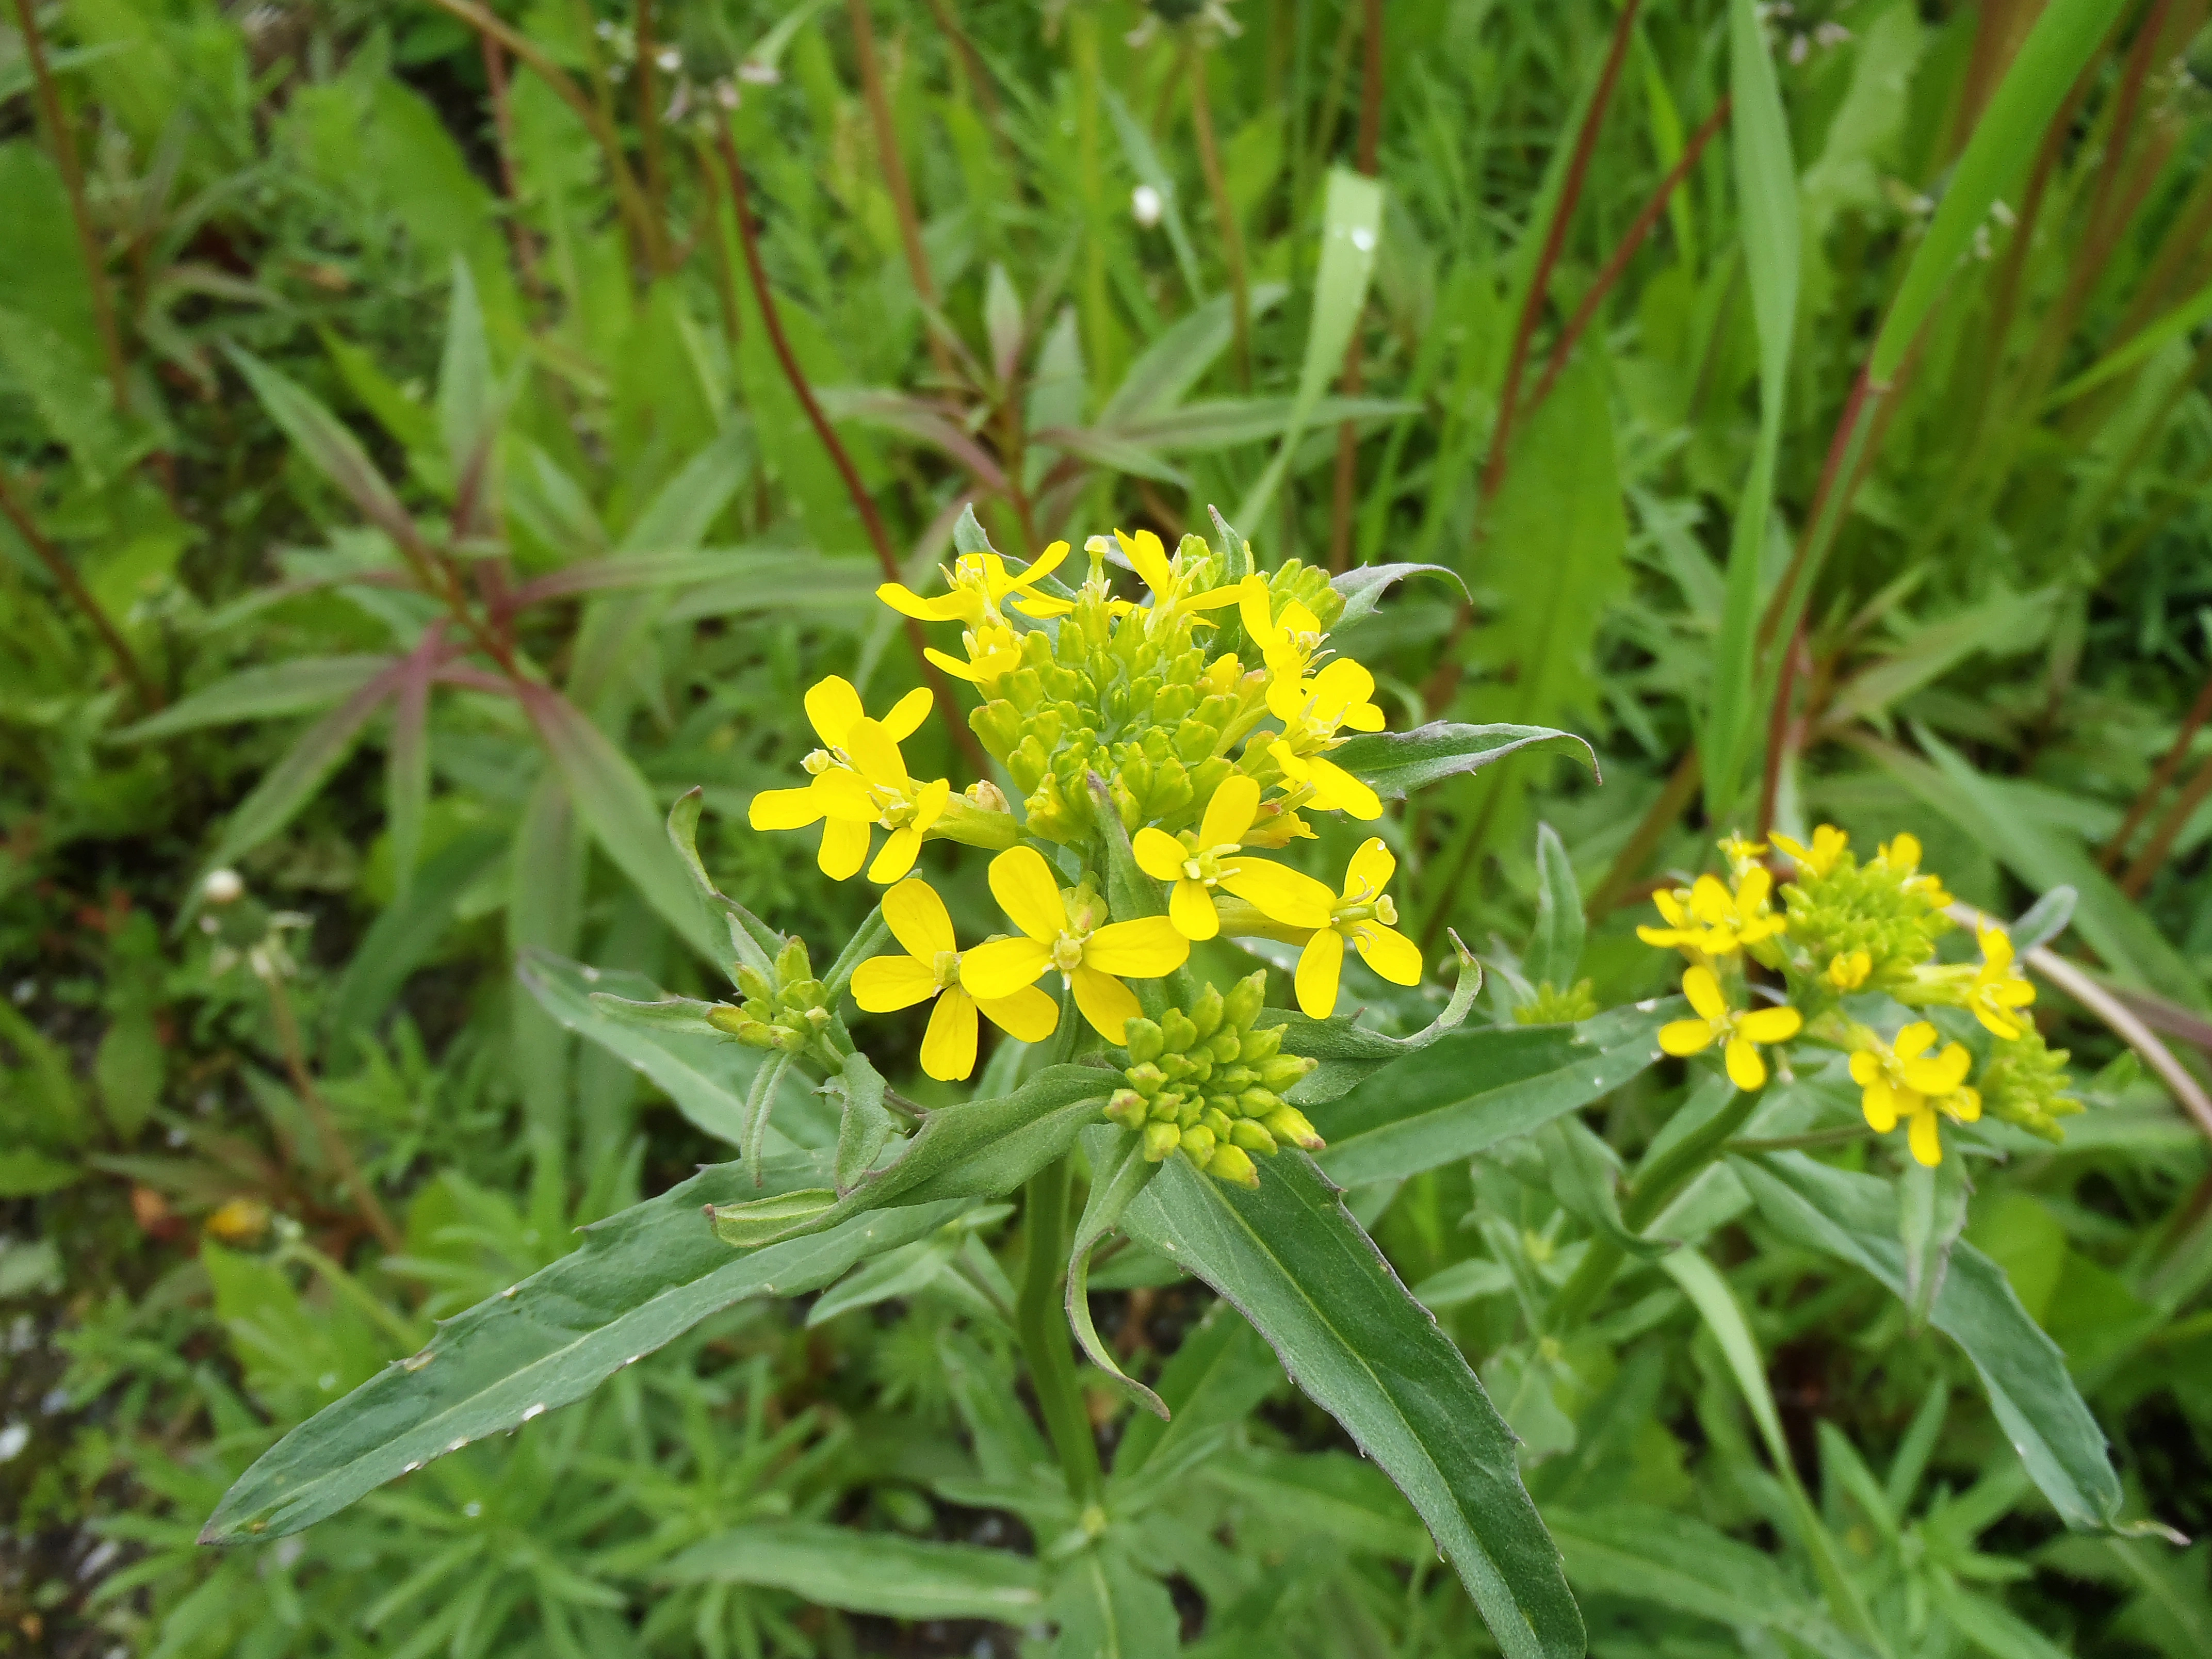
1042	1325
1657	1185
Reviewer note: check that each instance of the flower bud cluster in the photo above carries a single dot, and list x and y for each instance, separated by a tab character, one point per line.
785	1011
1553	1007
1858	926
2022	1085
1207	1083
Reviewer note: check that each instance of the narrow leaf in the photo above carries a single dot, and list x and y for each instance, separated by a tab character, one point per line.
1395	763
284	687
866	1571
291	783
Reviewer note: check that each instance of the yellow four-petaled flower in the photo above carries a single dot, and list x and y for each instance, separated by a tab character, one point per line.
859	779
1196	864
1740	1031
1900	1081
1999	986
1363	918
931	968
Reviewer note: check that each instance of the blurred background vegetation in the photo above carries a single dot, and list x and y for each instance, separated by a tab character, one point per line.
414	475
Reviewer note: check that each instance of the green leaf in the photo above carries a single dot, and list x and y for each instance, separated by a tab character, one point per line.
288	786
708	1077
329	447
1395	763
1219	1374
1854	1217
284	687
613	798
1178	360
1476	1088
754	942
468	396
1350	1053
72	397
863	1125
1362	587
1106	1608
1296	1264
1996	158
1119	1172
1766	183
2146	342
1555	951
1352	227
25	1173
639	1279
1675	1561
1932	1213
866	1571
406	934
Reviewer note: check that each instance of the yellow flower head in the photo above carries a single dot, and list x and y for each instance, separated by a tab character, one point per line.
1311	709
980	585
931	968
1713	920
1740	853
1828	847
1999	986
1198	863
1741	1032
844	797
1362	916
1089	953
1286	642
1170	582
994	651
1900	855
1848	969
1900	1081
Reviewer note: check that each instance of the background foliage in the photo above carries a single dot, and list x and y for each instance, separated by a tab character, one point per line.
362	367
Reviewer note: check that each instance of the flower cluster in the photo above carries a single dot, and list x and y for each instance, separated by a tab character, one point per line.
1161	751
785	1009
1209	1083
1844	931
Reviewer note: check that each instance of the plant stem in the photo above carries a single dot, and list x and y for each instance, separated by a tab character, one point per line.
1042	1324
2161	841
72	172
65	577
863	503
895	179
648	115
1347	442
2169	763
318	1112
1780	730
1232	234
518	233
1555	237
1638	230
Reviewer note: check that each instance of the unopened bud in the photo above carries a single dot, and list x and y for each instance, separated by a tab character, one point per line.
1160	1140
224	886
1230	1164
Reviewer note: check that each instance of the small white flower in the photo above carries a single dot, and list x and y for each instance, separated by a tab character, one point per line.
224	886
1146	205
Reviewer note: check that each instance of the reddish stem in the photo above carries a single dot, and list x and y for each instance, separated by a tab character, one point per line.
863	503
2162	774
1614	267
2161	841
65	576
1555	237
1347	444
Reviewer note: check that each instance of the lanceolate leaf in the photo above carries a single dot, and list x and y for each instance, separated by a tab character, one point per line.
1855	1217
333	450
1394	763
867	1571
1475	1087
1362	587
1296	1264
284	687
287	786
639	1280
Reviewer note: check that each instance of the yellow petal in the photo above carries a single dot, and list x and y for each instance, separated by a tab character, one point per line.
844	796
1235	803
1927	1144
1000	967
1043	565
959	667
1257	608
877	756
1939	1076
1965	1104
785	809
1190	907
908	713
1879	1104
2012	993
1369	870
1914	1040
897	855
952	607
1770	1024
1389	953
1212	600
1752	892
1709	899
1997	946
1148	559
844	849
948	1046
1704	991
883	983
1108	1003
1340	685
1744	1068
1159	854
1028	1014
1029	892
1338	791
1682	1038
1288	694
1144	948
1995	1023
1042	605
1320	965
1865	1068
1284	895
918	919
929	805
832	706
1363	717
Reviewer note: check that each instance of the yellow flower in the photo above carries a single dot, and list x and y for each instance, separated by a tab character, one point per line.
836	798
1342	694
1901	853
1167	578
1828	847
1286	642
1198	863
1711	918
1331	787
1999	986
1090	951
1896	1081
1363	915
1741	1032
979	583
931	968
993	652
1740	853
1848	969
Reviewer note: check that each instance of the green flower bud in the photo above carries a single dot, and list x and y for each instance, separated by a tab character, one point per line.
1242	1003
1127	1108
1198	1144
1143	1039
1160	1140
791	963
1252	1137
1146	1079
755	984
1230	1164
1289	1129
1206	1012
